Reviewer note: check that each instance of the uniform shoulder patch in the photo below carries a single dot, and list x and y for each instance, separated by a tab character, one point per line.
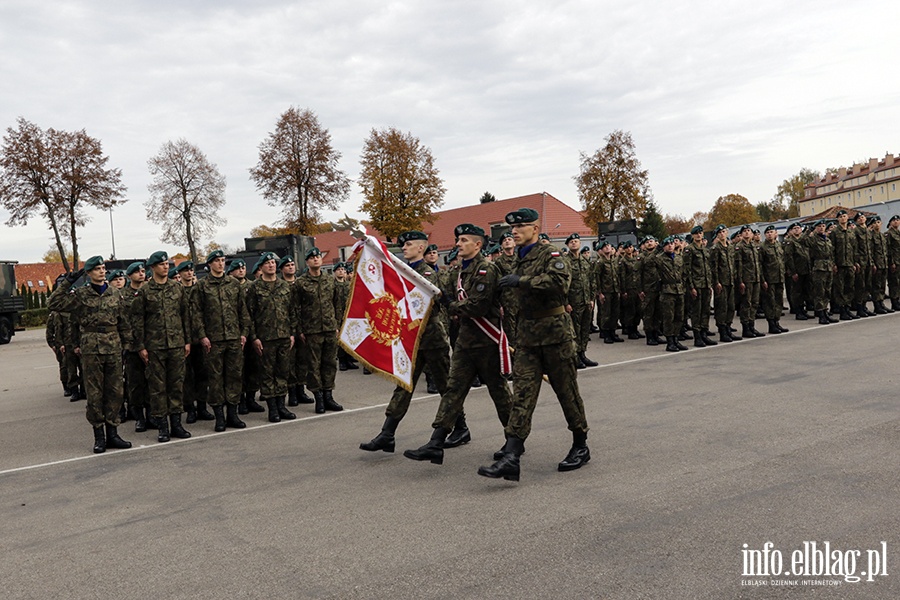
482	271
559	265
554	254
479	287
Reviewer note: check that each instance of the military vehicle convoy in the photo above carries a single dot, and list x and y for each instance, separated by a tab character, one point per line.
11	303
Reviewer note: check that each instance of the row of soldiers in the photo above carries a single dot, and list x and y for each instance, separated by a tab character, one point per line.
180	344
677	285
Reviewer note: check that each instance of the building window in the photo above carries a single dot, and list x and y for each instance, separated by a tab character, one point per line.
41	283
893	187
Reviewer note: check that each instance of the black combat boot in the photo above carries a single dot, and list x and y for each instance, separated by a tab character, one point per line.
140	421
614	336
99	440
634	330
684	334
203	413
191	415
433	450
861	312
507	466
273	410
163	425
588	362
773	328
320	402
708	340
460	434
328	401
252	404
302	396
385	440
579	364
745	331
351	362
113	440
284	413
732	333
123	414
633	333
778	325
670	344
219	411
698	340
366	371
177	430
755	331
232	419
67	392
292	395
242	405
430	385
679	345
879	307
895	304
342	365
724	335
651	338
845	314
578	455
499	453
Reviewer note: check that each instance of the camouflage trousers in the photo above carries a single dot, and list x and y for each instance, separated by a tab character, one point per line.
821	289
700	309
842	285
437	360
773	301
532	362
274	368
650	310
224	367
165	381
465	364
630	309
748	302
299	363
73	368
63	367
321	349
582	315
136	381
893	277
104	388
862	283
876	285
723	303
196	379
688	308
801	293
510	319
251	374
671	313
608	319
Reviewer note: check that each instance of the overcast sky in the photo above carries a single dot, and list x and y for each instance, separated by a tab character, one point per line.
720	97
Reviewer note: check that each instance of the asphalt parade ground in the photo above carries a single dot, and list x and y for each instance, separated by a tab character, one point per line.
791	439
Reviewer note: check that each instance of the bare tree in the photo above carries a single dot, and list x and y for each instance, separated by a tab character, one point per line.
56	174
186	194
298	169
400	182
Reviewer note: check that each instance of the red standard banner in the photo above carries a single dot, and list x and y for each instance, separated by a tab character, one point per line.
388	308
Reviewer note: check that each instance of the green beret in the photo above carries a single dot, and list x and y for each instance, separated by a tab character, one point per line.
114	274
235	265
92	263
172	272
872	219
841	212
543	236
342	265
858	215
431	248
451	256
572	236
755	231
697	229
468	229
585	249
264	258
602	245
627	244
407	236
184	266
735	234
720	228
745	228
770	228
495	249
134	267
506	234
313	252
214	255
285	260
669	240
820	222
157	257
894	218
523	215
792	225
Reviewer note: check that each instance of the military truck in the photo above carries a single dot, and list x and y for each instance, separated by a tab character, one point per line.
11	303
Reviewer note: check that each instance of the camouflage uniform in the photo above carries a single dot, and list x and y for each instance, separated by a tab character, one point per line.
698	277
135	369
650	287
863	278
433	351
892	237
159	319
220	314
273	315
721	259
843	242
544	341
509	300
475	354
99	328
606	282
53	335
196	378
746	270
66	340
773	275
630	278
821	257
580	298
671	299
880	264
796	263
317	301
251	374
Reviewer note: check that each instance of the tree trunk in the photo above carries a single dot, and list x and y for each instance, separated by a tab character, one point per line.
189	231
59	243
72	227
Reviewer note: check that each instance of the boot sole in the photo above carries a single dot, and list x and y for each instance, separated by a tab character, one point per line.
390	448
435	460
507	476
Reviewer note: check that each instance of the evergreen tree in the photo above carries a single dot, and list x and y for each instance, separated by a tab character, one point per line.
652	222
